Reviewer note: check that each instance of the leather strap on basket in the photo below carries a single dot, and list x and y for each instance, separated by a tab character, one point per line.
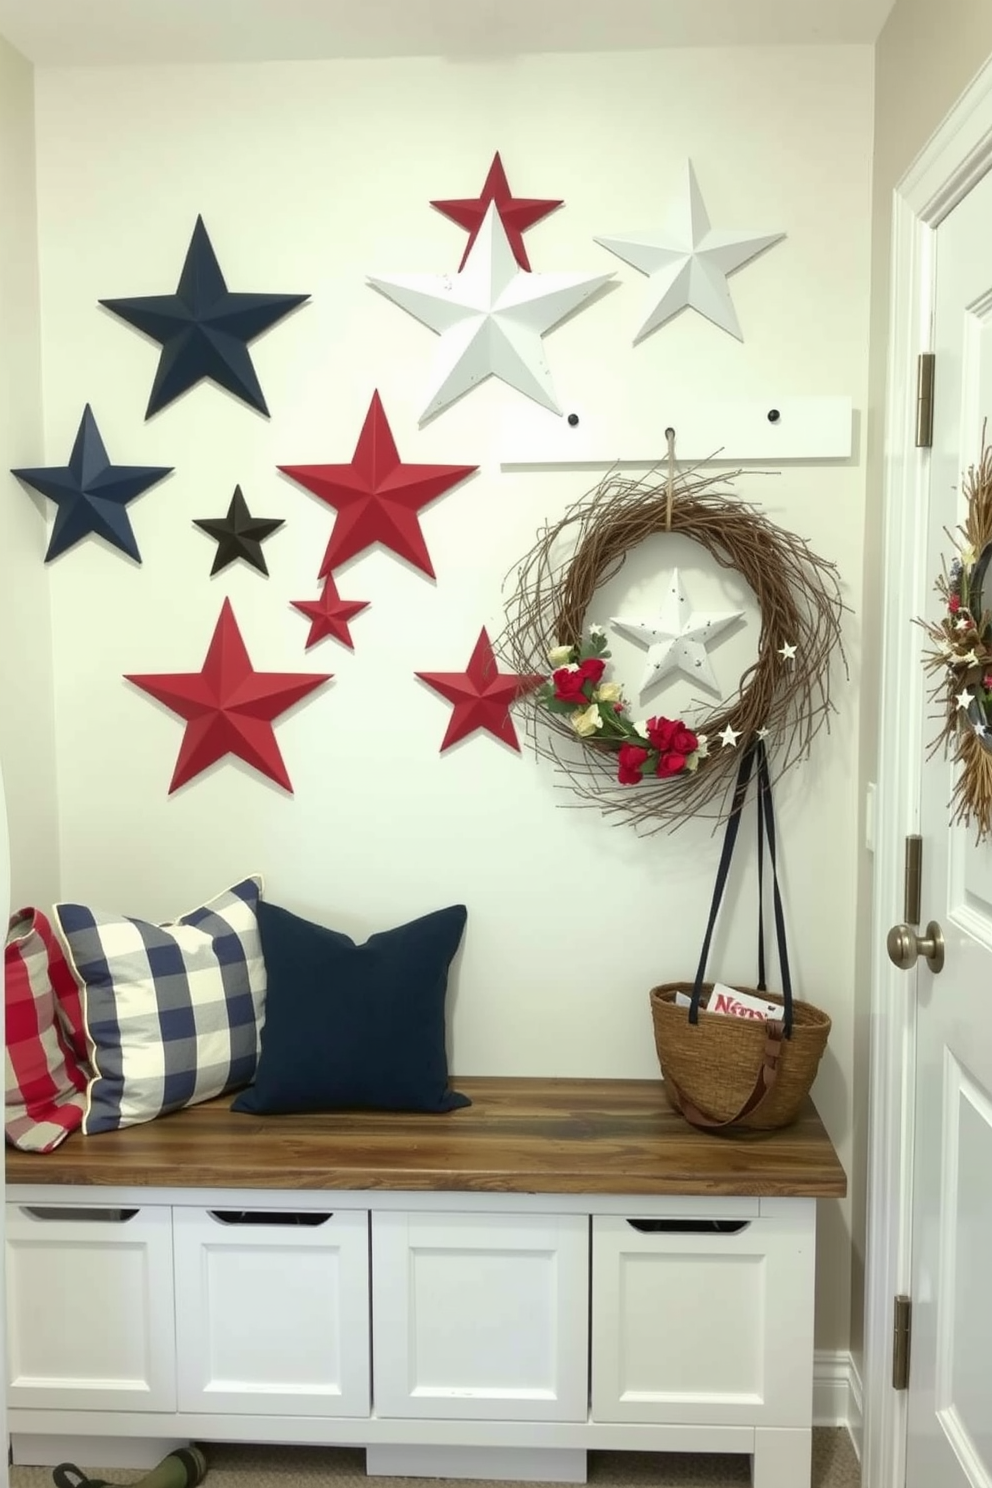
754	754
776	1029
763	1086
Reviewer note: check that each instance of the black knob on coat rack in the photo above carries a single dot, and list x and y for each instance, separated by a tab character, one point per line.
773	415
573	419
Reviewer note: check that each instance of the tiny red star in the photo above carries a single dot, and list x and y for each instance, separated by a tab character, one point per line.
228	706
517	212
329	615
376	497
481	694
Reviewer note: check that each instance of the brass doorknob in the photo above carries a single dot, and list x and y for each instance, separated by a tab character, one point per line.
905	947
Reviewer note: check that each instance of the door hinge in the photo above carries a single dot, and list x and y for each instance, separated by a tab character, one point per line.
924	399
902	1336
912	880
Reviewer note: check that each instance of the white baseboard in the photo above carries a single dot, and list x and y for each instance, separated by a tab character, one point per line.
837	1396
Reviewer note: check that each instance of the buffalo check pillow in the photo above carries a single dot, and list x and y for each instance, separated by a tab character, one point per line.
173	1012
46	1073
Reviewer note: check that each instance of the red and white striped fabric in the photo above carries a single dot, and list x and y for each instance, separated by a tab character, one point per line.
46	1071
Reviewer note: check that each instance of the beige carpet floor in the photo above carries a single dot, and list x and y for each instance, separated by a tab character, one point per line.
834	1466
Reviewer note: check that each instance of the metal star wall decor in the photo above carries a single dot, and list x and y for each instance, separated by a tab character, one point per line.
677	638
239	534
204	328
228	707
91	494
517	213
378	497
482	696
490	318
687	263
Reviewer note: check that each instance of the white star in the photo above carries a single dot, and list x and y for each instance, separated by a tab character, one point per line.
963	699
729	737
688	263
490	317
763	734
676	640
787	652
961	624
970	660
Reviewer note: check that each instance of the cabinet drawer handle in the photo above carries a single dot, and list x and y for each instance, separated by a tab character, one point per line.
268	1217
88	1216
689	1226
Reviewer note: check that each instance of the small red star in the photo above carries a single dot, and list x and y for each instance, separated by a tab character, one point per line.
228	706
329	615
518	213
376	497
481	694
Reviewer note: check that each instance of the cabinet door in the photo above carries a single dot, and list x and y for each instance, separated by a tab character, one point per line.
704	1322
90	1320
272	1312
481	1316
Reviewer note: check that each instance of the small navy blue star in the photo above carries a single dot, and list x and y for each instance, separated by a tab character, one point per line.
90	493
204	329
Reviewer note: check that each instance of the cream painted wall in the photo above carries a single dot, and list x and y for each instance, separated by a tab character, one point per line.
27	754
924	59
310	177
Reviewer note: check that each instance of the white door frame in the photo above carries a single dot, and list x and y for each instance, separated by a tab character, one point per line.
955	158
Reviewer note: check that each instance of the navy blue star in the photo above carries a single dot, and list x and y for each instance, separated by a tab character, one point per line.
204	329
91	494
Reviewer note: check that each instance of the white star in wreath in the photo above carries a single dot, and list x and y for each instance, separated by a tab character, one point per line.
490	318
729	737
787	652
964	699
677	639
763	734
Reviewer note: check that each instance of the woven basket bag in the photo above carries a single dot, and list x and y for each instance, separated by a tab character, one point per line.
723	1073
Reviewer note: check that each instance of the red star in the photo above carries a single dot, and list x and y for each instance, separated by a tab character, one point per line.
228	707
518	213
376	497
482	696
329	615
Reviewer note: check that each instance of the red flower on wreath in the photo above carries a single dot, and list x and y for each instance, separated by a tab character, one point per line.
954	603
671	735
570	682
631	759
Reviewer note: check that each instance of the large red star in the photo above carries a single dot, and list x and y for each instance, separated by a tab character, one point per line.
329	615
376	497
481	694
228	707
517	212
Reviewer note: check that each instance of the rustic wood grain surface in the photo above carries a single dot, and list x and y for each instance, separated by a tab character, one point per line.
518	1136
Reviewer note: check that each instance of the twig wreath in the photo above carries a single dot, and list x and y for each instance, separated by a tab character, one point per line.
961	655
659	772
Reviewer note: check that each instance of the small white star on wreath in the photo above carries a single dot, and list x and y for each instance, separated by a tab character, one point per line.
729	737
787	652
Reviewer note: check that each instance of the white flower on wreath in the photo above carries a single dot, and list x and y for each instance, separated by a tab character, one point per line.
641	727
968	555
607	692
700	752
587	722
561	656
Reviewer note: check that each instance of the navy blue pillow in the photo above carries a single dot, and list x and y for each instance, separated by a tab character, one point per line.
354	1026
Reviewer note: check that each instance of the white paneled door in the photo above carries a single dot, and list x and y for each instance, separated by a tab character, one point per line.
950	1401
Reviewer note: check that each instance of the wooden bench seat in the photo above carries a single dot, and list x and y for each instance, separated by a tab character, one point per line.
518	1136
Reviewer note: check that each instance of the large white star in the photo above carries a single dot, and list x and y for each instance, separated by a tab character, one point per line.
687	263
490	317
676	640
